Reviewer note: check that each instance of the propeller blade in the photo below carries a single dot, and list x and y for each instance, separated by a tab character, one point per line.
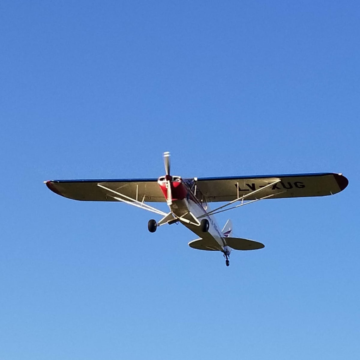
168	177
167	162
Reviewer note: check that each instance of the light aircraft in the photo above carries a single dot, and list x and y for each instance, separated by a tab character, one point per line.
188	199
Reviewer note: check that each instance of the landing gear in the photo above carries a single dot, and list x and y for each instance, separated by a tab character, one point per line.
226	256
204	225
152	225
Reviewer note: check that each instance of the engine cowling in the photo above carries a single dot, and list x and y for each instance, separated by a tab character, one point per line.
178	189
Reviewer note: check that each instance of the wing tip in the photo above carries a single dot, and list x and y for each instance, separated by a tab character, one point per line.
342	181
50	184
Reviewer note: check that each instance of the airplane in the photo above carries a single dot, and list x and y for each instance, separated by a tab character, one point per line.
188	199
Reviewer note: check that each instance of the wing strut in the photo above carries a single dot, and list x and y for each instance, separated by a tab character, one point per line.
132	201
242	198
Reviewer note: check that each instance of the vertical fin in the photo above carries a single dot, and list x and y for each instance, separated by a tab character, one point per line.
228	228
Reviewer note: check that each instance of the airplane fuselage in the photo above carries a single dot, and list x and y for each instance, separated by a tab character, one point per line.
190	207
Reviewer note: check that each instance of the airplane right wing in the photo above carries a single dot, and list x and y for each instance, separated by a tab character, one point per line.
146	190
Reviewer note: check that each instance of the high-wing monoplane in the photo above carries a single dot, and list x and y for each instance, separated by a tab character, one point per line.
188	199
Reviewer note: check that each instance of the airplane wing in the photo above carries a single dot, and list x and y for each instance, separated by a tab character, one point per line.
146	190
214	189
284	186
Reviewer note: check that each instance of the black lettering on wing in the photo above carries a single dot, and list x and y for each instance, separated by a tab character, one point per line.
288	186
240	189
299	184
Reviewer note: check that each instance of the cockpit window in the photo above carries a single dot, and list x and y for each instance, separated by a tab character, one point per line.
199	195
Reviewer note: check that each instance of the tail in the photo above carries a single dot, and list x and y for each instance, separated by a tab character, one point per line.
227	230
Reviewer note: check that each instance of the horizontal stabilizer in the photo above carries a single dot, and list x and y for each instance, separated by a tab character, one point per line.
205	244
243	244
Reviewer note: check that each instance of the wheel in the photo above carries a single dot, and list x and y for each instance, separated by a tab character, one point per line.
152	225
227	262
204	225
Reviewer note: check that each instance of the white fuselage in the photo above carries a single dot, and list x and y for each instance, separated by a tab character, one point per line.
184	208
189	206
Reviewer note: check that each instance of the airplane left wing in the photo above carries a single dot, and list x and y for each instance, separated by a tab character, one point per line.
141	190
271	187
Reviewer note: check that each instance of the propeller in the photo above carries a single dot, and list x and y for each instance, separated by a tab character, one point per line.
167	162
168	177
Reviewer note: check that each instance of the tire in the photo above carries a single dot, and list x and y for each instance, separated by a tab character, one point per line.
152	225
204	225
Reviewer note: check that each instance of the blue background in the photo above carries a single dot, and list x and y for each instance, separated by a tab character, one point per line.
100	89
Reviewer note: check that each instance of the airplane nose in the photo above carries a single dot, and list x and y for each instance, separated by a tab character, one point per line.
178	190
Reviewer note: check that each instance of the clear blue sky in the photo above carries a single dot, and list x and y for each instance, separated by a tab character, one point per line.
100	89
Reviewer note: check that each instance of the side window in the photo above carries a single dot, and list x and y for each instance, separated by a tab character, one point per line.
201	198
